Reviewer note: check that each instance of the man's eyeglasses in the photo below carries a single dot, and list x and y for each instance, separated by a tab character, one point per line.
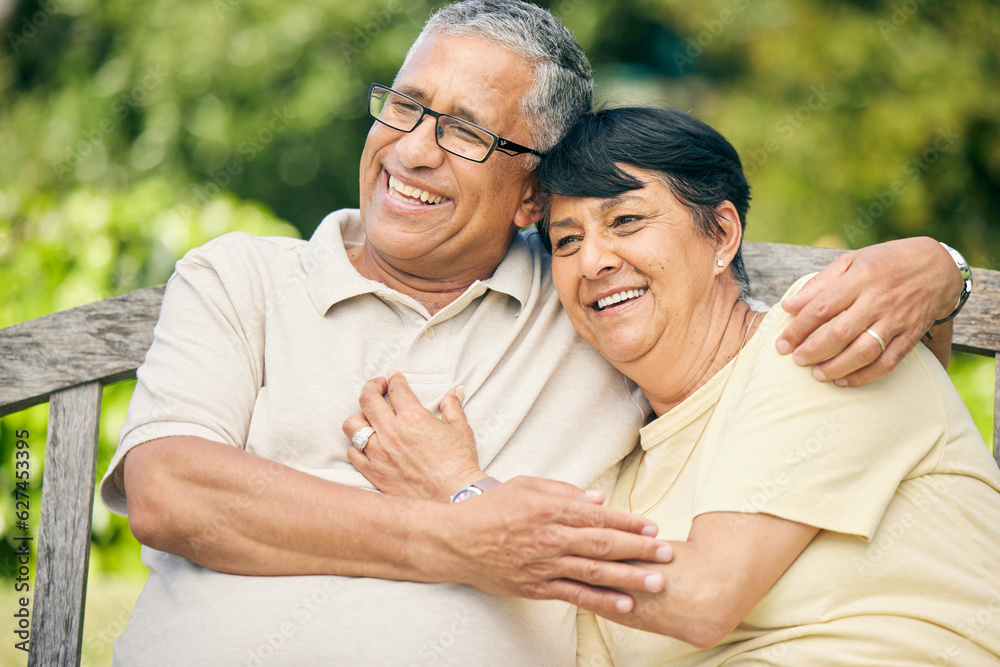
458	137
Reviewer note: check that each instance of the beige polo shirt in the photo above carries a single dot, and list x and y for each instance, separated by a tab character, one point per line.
264	344
906	567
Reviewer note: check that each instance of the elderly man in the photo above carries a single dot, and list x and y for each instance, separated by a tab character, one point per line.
236	466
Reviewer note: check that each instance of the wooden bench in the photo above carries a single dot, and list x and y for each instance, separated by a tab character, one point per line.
67	357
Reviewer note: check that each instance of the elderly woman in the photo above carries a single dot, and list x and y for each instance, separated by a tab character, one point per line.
811	524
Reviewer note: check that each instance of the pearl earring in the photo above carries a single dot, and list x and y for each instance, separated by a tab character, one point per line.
719	263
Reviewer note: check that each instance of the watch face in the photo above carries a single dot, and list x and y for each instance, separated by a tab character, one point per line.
465	494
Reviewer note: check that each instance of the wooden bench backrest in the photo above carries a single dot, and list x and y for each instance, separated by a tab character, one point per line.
67	357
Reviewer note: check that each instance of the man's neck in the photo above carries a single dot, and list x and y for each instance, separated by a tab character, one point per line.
432	293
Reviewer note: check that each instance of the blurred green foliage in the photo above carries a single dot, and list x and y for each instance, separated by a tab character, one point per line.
131	132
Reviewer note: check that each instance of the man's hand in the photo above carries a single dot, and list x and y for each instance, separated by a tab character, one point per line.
897	289
528	537
413	453
542	539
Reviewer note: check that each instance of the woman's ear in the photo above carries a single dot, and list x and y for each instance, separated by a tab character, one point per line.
730	233
532	206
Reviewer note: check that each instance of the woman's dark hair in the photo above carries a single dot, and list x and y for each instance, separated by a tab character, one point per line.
699	166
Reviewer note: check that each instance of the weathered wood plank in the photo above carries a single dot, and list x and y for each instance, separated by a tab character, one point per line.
977	328
103	341
773	267
64	526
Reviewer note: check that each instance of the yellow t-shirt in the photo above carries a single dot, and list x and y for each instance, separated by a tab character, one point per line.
906	568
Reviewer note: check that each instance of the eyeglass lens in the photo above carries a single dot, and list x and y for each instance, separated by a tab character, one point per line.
453	134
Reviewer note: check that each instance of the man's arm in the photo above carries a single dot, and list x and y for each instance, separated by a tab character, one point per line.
897	289
225	509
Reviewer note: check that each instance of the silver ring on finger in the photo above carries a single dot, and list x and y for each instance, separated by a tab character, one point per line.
878	339
360	439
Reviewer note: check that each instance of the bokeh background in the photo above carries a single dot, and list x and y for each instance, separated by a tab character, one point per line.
132	131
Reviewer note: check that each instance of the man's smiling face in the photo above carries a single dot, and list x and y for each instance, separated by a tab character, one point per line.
432	214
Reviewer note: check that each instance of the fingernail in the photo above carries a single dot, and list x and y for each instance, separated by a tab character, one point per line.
819	374
784	347
595	495
654	583
390	372
460	394
842	382
650	531
665	553
799	360
623	606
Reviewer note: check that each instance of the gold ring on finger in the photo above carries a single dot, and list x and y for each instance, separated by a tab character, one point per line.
881	343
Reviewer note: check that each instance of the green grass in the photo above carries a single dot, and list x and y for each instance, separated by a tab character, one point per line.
110	598
973	375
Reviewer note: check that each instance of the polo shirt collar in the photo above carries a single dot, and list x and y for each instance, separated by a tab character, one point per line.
516	272
331	278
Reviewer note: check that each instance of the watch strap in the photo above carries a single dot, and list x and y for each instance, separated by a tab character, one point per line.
966	272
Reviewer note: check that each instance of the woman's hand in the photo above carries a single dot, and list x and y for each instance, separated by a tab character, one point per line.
413	453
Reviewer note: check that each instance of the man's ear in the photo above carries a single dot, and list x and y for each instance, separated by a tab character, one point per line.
532	205
731	233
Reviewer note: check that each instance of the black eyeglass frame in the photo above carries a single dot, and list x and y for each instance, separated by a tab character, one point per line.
505	146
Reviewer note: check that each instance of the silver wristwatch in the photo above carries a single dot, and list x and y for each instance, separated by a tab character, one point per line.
474	489
966	272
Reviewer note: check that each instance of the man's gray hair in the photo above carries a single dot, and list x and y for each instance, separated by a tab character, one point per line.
562	87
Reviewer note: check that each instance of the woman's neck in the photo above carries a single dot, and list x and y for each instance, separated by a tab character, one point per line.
684	368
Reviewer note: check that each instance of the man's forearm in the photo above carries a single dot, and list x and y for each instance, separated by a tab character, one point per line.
234	512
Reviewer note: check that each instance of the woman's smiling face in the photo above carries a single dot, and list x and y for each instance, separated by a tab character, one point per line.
633	270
